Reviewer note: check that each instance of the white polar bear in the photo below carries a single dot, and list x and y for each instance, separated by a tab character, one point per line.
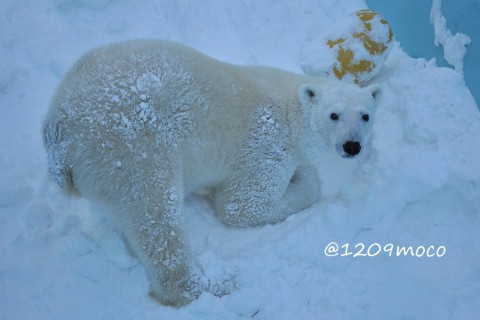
140	124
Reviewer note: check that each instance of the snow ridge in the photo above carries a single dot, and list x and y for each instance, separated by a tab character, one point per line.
454	45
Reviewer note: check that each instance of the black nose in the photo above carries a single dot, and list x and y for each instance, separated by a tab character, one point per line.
352	148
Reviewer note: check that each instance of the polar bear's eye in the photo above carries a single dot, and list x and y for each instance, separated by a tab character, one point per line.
310	93
334	116
365	117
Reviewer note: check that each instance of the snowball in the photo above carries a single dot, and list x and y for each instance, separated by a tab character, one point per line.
353	49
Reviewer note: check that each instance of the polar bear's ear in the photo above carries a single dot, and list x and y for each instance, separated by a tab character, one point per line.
308	93
375	91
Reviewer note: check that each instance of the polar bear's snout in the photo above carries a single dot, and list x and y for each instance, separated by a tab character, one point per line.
351	142
352	148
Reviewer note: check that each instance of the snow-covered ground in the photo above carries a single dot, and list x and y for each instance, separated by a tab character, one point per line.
60	258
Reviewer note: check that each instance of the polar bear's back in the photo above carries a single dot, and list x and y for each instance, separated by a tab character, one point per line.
121	74
123	102
139	74
153	76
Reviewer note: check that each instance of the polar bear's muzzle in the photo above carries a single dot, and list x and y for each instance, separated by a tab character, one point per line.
351	148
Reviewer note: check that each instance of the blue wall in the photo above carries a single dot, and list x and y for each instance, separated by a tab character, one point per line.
410	20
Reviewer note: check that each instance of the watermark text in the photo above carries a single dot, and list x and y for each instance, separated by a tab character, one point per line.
333	249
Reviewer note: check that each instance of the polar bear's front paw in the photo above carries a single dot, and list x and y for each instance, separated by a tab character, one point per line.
176	293
191	288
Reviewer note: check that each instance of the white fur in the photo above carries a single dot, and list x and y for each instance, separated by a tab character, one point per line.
138	125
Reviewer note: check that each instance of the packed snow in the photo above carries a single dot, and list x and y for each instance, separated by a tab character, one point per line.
61	258
454	45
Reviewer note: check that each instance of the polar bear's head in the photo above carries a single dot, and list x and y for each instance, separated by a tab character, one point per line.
341	115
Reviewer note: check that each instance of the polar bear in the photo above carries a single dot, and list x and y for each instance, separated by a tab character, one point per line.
141	124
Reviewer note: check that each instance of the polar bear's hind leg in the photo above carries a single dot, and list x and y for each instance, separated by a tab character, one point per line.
57	150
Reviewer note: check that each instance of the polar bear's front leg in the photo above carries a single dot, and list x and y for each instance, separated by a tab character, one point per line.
156	231
255	198
167	262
